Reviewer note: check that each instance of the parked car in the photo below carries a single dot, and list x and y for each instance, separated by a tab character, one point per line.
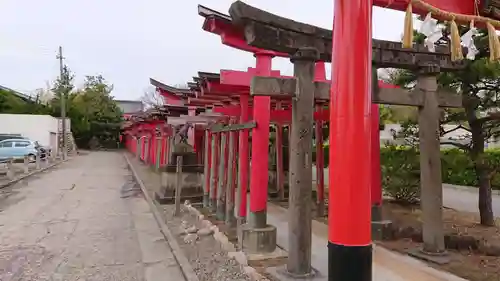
18	148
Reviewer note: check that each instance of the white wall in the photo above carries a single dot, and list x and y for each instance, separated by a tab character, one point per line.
34	127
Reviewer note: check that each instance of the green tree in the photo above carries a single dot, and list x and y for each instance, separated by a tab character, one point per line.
479	86
63	86
10	103
13	104
95	113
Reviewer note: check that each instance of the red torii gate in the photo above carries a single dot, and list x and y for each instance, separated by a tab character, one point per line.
349	237
231	35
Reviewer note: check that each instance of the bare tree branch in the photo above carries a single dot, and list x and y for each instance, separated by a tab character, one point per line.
443	132
456	144
152	99
493	116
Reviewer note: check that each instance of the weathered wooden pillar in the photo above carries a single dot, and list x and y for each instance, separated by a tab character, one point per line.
376	180
430	163
158	152
208	162
138	148
171	145
221	187
300	191
146	149
280	173
231	163
214	172
191	130
320	167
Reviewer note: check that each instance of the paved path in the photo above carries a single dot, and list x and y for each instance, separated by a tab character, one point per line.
466	199
72	224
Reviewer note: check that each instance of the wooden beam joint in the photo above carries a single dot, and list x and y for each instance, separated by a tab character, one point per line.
273	87
234	127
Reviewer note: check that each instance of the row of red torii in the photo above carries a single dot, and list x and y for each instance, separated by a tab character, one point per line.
225	106
225	98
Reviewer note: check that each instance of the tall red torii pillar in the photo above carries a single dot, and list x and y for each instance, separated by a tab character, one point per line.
350	250
349	245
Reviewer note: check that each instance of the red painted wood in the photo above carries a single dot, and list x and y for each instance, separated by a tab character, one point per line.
216	164
349	219
279	151
170	98
163	154
243	78
260	140
320	179
227	89
320	72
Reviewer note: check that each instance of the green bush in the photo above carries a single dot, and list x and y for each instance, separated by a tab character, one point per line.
401	167
401	174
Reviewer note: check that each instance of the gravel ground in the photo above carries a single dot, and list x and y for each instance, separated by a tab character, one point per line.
208	259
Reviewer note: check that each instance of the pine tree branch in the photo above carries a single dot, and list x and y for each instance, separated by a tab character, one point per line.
456	144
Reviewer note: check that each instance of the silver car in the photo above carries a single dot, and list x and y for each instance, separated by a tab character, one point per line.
18	148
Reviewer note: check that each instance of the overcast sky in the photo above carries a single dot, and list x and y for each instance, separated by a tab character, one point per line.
129	41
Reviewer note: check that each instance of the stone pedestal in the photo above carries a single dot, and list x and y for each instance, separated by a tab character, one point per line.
192	177
381	229
258	240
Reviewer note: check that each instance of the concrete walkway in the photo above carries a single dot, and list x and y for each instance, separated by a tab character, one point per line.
72	224
466	199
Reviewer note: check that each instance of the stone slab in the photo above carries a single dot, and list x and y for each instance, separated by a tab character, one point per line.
279	273
440	259
276	254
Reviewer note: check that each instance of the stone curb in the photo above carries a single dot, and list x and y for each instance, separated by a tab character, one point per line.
11	182
179	256
470	189
226	245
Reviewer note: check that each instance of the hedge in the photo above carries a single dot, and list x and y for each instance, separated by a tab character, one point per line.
457	168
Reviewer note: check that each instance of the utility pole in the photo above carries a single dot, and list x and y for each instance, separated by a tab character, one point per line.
63	103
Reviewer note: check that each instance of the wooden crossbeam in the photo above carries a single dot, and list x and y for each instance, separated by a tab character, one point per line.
271	32
233	127
397	96
415	98
273	87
